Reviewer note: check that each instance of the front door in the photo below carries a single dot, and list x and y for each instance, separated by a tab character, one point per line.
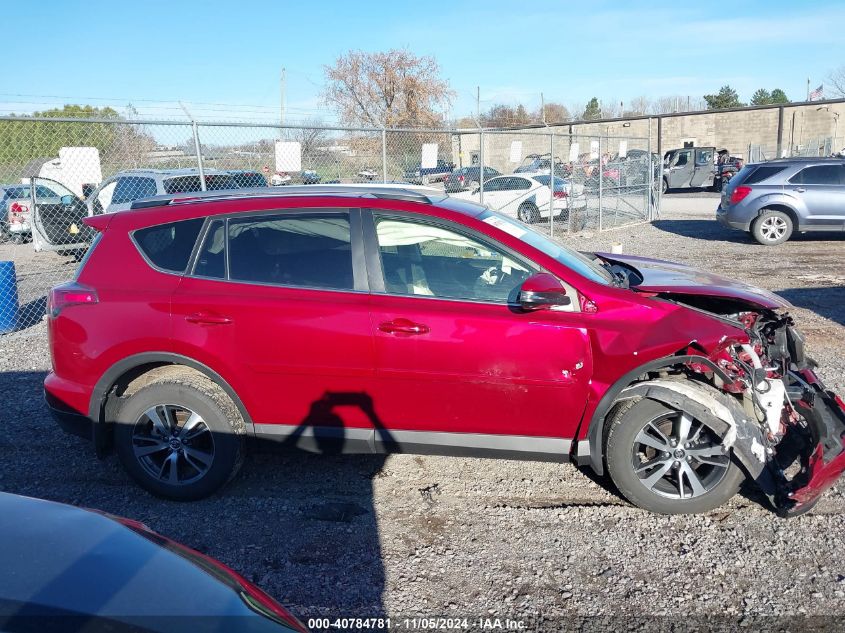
275	303
457	365
703	173
822	190
681	169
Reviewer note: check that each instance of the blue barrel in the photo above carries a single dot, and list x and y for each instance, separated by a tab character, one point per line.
9	306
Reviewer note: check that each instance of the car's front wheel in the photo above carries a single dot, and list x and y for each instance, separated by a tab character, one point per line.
179	435
772	228
664	460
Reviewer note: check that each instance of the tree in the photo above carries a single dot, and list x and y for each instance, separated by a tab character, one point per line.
639	106
761	97
725	98
23	139
592	110
310	138
554	113
501	115
779	96
394	88
836	79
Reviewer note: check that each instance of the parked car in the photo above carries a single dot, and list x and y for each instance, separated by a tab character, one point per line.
528	197
247	178
689	168
367	174
310	177
541	164
427	324
419	175
118	192
67	568
467	178
46	212
775	199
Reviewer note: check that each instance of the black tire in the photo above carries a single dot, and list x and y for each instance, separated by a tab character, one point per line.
221	437
528	213
772	228
664	186
718	483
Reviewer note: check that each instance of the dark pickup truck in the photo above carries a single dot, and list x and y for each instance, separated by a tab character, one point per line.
419	175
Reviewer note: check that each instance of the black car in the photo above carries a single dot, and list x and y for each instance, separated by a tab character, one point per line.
245	178
467	178
67	569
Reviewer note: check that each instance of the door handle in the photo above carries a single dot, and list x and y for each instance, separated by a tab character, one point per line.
801	190
403	326
208	318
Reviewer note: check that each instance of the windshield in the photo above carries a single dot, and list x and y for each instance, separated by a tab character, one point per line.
578	262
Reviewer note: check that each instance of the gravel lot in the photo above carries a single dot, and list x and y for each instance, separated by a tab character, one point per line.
544	543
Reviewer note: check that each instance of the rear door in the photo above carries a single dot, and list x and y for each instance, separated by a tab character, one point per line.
275	303
56	214
822	190
703	171
517	190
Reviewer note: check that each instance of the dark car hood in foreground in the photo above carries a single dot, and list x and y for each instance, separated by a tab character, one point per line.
668	277
61	566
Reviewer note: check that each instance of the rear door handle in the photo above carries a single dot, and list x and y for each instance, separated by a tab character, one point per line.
208	318
403	326
801	190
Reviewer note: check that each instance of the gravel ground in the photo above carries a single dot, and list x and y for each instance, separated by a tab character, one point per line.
541	543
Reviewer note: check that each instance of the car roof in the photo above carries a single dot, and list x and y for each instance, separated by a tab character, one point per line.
410	193
805	159
167	173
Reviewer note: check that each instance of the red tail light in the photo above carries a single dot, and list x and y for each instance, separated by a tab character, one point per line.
561	194
739	194
70	294
460	178
17	209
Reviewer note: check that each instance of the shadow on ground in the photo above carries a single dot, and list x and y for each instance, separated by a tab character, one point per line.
828	302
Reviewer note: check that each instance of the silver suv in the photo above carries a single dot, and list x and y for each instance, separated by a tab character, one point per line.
118	192
774	199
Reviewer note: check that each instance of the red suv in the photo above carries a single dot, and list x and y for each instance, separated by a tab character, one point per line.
396	319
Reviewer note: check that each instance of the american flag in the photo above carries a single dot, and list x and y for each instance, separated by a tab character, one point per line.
817	94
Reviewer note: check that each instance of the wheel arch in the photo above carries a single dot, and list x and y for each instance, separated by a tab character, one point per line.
133	367
783	208
596	429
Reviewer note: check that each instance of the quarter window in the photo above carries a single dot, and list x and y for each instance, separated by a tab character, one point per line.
131	188
308	251
211	261
169	246
426	260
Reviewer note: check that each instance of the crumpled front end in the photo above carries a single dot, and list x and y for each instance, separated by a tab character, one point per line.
791	437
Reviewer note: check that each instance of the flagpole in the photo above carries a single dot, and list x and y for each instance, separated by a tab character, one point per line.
808	88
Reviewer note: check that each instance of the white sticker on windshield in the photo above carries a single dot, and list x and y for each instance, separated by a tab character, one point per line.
507	227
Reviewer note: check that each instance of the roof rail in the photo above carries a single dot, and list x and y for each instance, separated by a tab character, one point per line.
411	193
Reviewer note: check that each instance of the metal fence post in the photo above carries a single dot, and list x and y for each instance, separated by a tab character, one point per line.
199	154
601	193
649	196
384	155
481	165
552	184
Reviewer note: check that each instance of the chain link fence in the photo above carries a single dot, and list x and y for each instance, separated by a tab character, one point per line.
56	172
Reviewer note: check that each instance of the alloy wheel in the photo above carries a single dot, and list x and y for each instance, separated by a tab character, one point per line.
773	228
173	444
678	457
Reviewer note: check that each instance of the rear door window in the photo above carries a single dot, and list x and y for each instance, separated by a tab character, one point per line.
211	260
312	251
819	175
169	246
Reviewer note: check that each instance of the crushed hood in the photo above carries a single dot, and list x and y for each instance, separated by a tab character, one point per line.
668	277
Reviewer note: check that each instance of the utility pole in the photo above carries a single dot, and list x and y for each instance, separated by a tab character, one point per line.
543	109
808	88
478	104
282	82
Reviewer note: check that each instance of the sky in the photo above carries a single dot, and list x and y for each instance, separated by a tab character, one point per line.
223	59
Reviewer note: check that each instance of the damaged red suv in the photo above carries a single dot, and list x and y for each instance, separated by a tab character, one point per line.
379	319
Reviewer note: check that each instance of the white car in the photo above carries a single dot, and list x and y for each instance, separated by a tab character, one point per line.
528	197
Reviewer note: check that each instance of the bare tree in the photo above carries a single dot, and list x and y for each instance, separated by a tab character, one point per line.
310	138
555	113
501	115
394	88
640	106
837	82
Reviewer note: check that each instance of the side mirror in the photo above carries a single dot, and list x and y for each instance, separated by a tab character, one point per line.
67	200
541	292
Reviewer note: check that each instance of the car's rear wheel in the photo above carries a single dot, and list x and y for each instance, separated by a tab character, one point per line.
664	187
179	435
666	461
528	213
772	228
